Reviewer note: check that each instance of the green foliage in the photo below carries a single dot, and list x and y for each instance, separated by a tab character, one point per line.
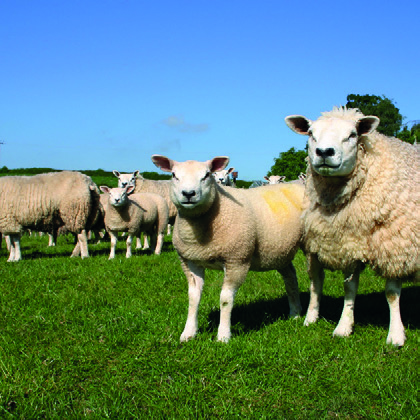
289	164
410	135
380	106
100	339
243	184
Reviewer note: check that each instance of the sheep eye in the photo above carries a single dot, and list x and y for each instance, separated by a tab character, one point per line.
206	176
311	136
174	176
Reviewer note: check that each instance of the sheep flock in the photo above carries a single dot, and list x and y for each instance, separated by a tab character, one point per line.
357	205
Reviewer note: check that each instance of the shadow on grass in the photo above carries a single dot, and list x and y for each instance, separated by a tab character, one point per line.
370	309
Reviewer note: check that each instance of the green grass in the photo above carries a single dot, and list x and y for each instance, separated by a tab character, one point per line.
100	339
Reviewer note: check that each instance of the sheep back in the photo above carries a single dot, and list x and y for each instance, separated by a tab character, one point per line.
261	226
45	202
161	188
372	215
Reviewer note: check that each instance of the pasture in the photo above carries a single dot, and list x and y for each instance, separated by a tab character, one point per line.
99	339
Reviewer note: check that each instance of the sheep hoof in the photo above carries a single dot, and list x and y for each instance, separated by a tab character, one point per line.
310	320
342	331
185	337
397	340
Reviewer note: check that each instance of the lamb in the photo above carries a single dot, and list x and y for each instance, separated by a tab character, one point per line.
47	202
223	178
134	213
149	186
235	230
363	200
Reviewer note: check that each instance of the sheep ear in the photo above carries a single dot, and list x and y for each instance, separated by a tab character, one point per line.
266	178
282	178
116	173
136	174
163	162
230	170
104	189
218	163
298	123
367	124
130	189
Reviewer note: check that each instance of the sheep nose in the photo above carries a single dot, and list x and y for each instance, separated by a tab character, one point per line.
324	153
188	194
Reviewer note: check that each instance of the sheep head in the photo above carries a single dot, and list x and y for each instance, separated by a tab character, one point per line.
193	186
117	196
222	177
275	179
125	180
333	139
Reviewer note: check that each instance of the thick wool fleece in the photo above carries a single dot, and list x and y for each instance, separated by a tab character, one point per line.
157	187
260	227
46	202
372	215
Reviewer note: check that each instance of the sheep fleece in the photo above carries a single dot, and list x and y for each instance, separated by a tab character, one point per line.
373	217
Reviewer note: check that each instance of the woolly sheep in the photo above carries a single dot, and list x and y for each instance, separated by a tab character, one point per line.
149	186
363	200
47	202
134	213
223	178
235	230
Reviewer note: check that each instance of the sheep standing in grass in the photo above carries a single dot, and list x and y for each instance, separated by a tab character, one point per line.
47	202
363	202
230	229
144	185
134	213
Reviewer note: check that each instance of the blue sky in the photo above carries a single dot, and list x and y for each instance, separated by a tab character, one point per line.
106	84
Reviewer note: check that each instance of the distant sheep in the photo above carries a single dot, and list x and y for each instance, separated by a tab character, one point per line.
235	230
223	177
47	202
134	213
363	203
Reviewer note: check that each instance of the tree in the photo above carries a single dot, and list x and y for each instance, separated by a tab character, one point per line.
290	164
410	135
380	106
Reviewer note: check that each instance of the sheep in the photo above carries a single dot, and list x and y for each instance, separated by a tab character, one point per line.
363	199
134	213
235	230
149	186
274	179
223	178
46	202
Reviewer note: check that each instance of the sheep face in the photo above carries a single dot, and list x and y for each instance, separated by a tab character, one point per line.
222	177
333	142
193	186
117	196
125	180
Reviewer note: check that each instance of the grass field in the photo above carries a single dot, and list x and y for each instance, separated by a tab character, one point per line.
100	339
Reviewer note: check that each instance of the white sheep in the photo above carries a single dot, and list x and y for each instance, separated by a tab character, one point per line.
274	179
134	213
230	229
223	177
47	202
149	186
363	202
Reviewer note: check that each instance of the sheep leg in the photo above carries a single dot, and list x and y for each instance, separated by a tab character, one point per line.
168	229
129	242
82	239
396	335
76	250
316	275
15	254
145	242
195	277
234	277
159	243
114	239
292	289
138	242
351	284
